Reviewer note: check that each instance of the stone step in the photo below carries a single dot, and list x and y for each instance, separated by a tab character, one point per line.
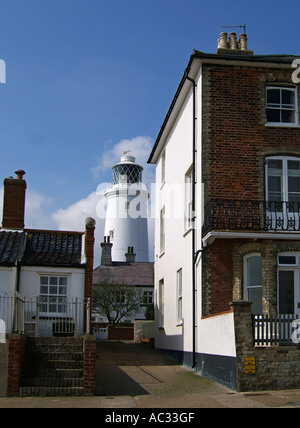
53	367
51	382
58	373
53	356
50	391
52	364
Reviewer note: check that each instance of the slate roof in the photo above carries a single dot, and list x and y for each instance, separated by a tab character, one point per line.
11	247
50	248
132	274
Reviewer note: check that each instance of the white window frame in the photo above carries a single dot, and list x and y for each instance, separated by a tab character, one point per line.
188	210
285	187
179	297
290	267
147	297
161	303
163	168
48	298
282	107
162	225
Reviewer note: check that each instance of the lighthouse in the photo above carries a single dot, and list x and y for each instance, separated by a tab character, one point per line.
126	224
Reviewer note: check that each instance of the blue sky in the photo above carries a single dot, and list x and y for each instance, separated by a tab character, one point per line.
86	78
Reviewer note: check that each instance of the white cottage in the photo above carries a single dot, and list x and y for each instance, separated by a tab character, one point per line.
51	271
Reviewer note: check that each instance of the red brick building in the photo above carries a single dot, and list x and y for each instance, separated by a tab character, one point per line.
234	128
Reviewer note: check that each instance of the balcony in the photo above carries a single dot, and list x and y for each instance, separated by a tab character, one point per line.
252	216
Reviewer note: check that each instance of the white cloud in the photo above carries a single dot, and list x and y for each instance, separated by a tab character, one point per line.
36	211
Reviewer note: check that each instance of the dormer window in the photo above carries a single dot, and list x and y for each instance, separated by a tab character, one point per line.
281	106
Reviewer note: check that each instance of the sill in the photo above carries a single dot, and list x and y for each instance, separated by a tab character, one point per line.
282	125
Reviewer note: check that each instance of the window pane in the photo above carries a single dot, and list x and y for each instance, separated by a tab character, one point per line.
287	116
63	280
53	280
255	296
273	96
62	291
286	292
287	260
273	115
275	164
53	290
275	180
274	184
44	280
254	271
288	97
294	184
44	289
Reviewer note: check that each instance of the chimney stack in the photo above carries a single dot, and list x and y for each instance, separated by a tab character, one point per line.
130	255
106	259
14	201
233	46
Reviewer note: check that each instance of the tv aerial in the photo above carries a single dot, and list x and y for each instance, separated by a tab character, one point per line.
236	26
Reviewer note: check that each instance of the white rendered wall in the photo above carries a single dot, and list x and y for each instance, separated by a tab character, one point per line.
178	241
215	335
30	280
8	278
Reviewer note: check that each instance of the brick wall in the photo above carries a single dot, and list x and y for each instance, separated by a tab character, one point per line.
236	140
89	365
16	351
217	277
120	333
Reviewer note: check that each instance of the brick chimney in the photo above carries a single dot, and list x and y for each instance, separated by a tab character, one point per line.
106	246
130	255
231	45
14	201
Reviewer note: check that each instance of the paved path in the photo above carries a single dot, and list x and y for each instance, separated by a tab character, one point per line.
135	376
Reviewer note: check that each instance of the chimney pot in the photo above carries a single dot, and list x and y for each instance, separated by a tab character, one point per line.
20	173
233	41
222	41
243	42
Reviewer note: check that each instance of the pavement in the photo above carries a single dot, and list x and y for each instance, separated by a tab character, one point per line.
135	376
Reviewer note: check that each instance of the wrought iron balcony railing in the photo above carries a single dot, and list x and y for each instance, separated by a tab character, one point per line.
250	215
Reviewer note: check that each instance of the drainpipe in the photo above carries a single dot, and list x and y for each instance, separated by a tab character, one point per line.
194	252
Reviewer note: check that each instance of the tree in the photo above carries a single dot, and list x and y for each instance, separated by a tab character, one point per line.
116	301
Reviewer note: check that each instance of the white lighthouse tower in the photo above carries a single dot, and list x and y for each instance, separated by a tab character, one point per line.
126	222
